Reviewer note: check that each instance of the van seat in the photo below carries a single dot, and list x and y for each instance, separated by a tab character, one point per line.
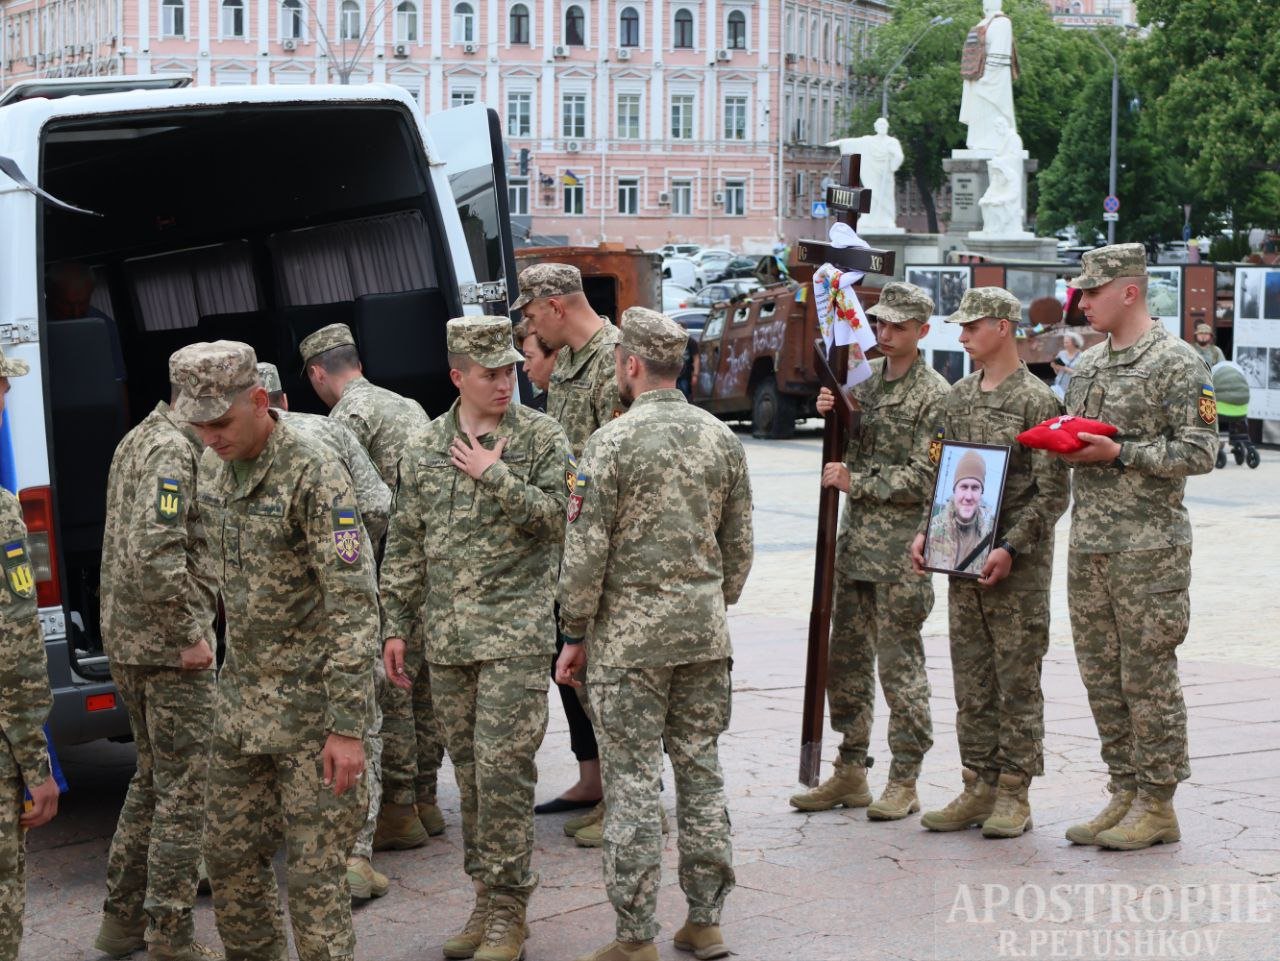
254	328
403	345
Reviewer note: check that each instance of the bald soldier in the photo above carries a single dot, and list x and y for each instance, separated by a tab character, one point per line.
658	544
373	499
295	695
472	549
382	421
999	620
1129	568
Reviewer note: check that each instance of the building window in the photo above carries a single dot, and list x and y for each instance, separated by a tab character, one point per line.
826	41
735	198
735	118
518	24
575	27
464	23
349	20
232	19
518	196
629	28
839	46
682	116
520	114
174	18
573	116
791	33
736	35
815	52
291	20
461	98
681	198
628	116
574	195
628	195
684	30
407	22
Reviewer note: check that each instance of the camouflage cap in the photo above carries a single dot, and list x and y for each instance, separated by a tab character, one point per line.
653	336
209	377
269	377
547	280
979	302
326	338
13	366
1106	264
1203	329
486	340
900	302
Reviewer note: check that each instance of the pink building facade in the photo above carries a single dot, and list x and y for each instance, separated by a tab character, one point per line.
640	121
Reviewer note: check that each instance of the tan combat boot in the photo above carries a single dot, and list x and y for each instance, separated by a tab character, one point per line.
623	951
1121	800
1011	816
504	930
1148	821
398	829
592	836
364	881
430	815
117	940
158	951
704	940
898	800
464	943
594	816
847	785
969	809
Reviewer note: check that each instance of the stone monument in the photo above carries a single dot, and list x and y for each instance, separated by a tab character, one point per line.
989	66
881	158
1004	202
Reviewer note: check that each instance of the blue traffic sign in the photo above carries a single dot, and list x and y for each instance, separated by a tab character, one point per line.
1111	204
819	209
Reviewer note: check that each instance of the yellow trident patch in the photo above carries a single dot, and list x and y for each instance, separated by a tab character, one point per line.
17	568
168	499
935	449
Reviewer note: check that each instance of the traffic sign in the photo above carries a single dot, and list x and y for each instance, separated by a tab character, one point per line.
1111	204
819	210
1110	215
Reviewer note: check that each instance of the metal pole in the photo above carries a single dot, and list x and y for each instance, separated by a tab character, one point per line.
938	21
1115	102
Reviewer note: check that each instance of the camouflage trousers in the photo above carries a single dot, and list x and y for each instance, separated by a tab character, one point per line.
1129	612
493	715
13	868
998	640
878	625
251	796
412	744
151	865
363	848
636	711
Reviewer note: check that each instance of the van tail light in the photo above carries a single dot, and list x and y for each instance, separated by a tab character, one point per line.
37	513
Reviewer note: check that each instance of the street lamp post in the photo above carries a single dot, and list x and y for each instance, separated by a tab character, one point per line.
1115	108
938	21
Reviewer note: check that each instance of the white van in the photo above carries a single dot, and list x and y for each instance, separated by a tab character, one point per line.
257	214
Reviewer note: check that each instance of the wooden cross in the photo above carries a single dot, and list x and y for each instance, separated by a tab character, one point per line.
849	198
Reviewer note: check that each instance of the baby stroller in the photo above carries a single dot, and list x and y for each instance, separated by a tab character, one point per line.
1231	391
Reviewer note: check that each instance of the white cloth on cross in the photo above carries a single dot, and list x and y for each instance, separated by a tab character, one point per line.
841	318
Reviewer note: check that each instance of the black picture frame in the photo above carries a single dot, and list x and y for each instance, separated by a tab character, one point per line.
995	459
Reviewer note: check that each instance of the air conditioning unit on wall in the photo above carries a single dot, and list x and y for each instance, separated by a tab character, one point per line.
664	198
717	197
723	55
401	50
624	53
559	52
470	47
573	146
289	44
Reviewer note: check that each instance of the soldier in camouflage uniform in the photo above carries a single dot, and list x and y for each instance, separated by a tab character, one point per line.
879	603
295	695
582	396
24	706
1129	567
659	542
999	622
960	531
411	750
158	610
472	546
373	499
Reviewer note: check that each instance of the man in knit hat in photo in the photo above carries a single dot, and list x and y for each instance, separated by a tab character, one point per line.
999	621
960	532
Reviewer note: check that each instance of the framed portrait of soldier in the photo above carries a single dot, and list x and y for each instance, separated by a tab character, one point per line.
965	507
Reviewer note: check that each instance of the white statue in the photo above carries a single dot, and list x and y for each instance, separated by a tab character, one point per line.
989	65
1002	205
881	158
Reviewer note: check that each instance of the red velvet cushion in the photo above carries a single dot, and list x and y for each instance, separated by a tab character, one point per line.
1058	434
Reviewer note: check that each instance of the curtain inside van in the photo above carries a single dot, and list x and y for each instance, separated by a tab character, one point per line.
176	290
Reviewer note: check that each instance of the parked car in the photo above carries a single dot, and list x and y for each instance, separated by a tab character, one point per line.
692	319
679	250
713	263
740	267
683	271
675	297
716	293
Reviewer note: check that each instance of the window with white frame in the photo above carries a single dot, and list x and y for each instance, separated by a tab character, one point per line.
518	196
575	195
349	20
802	33
464	23
682	37
735	117
232	22
826	41
573	116
173	18
406	22
791	33
628	114
575	27
628	195
518	25
291	20
735	198
629	28
839	45
735	37
519	113
682	116
815	52
461	96
681	198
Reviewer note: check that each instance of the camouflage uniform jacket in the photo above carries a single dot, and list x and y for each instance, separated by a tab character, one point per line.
24	678
890	474
1037	485
476	559
583	393
1159	396
301	601
373	497
944	537
156	599
659	538
382	421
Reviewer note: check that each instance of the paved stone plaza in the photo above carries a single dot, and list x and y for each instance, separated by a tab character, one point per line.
833	885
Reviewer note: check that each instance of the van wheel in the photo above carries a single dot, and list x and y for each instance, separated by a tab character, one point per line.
773	415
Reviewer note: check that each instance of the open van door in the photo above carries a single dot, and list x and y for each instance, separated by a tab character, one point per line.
477	171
